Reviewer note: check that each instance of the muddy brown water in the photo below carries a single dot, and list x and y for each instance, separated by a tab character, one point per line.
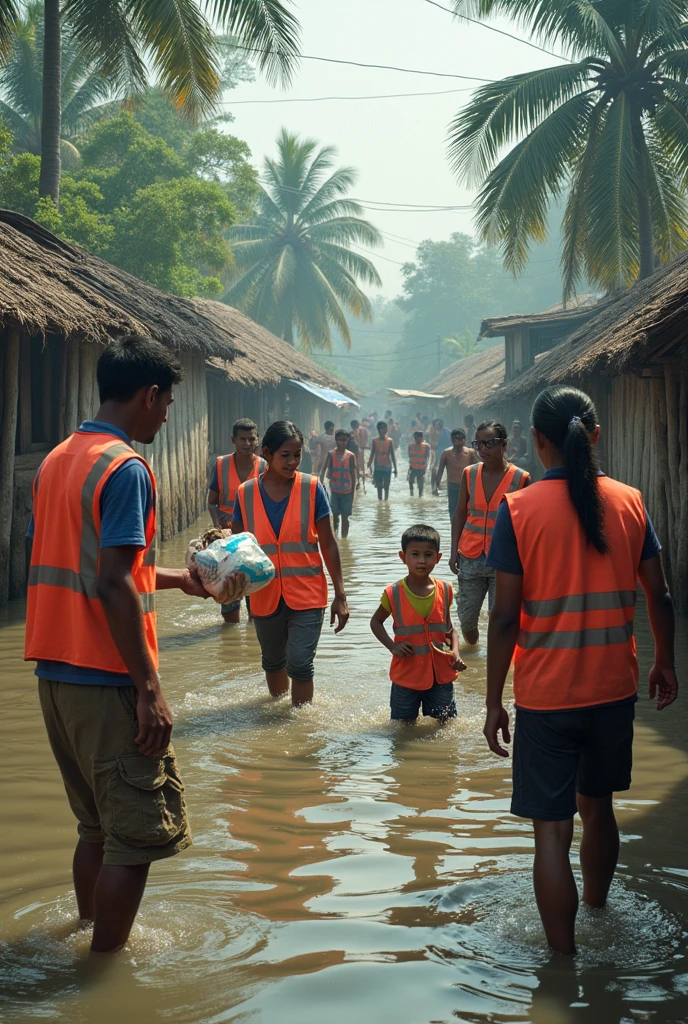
344	869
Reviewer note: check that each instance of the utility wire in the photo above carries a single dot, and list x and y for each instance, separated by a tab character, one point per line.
499	31
323	99
382	67
373	203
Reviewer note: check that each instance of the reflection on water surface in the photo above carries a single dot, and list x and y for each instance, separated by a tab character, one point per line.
344	869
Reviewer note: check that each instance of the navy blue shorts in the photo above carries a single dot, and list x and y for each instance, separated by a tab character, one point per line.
437	702
560	753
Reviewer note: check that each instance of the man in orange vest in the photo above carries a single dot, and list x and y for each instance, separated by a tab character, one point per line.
341	468
425	648
568	554
419	455
90	626
228	473
482	488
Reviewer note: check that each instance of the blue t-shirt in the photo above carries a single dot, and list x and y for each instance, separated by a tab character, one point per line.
443	440
275	510
503	553
125	505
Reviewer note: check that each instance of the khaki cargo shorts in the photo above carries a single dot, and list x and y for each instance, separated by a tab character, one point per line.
476	581
132	804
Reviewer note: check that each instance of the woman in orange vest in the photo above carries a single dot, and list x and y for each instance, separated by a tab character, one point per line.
568	554
289	514
483	486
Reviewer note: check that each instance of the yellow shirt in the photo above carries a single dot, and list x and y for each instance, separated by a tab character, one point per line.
423	605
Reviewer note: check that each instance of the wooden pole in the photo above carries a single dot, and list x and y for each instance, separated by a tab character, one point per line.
47	364
88	355
71	404
24	433
7	443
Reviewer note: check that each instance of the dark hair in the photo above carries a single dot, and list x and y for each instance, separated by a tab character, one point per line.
279	432
134	362
383	423
420	532
354	424
244	424
497	428
328	424
459	432
517	423
567	418
417	433
342	433
469	416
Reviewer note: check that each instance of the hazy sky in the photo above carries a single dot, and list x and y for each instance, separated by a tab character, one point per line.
397	145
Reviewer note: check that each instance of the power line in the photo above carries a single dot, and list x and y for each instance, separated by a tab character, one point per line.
382	203
323	99
499	31
377	255
362	64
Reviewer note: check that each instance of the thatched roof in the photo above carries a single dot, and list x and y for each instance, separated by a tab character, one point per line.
620	339
577	312
472	381
50	287
262	358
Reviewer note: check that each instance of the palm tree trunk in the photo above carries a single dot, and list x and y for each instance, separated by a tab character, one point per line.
647	255
289	332
51	121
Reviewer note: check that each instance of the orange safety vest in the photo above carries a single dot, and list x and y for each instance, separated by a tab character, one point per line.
382	450
300	578
427	665
576	646
341	474
65	619
228	481
477	533
419	455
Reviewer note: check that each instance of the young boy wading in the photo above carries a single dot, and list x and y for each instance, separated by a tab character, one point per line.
341	469
90	626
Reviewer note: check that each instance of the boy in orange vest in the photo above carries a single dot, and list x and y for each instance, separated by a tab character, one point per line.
228	473
419	454
341	468
423	670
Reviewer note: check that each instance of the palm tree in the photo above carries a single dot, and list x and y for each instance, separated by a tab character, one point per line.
85	95
173	36
609	126
293	268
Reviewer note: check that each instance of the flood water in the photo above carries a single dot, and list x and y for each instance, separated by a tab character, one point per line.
344	869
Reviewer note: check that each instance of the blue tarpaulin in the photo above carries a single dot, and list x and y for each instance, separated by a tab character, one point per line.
327	394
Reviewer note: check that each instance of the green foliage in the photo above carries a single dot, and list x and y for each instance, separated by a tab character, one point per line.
609	128
294	269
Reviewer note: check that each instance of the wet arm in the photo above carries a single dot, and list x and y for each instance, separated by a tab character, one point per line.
459	520
179	579
377	625
330	553
394	459
660	608
440	470
328	461
214	507
502	633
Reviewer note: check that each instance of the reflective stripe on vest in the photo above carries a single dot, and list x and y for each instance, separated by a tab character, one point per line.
576	646
418	456
341	475
481	515
295	554
383	457
228	481
427	664
70	625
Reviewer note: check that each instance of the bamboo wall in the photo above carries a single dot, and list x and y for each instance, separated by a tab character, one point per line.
47	387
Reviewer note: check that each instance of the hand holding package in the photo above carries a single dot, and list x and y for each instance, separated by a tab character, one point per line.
232	566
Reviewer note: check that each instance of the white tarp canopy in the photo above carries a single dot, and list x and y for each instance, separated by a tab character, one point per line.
327	394
403	393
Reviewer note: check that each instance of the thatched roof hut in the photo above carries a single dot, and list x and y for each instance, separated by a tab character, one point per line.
469	385
49	287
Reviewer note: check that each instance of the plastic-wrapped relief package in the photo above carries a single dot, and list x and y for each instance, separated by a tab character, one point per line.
230	566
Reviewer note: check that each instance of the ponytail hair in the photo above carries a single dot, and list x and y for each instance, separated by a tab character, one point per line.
567	418
279	432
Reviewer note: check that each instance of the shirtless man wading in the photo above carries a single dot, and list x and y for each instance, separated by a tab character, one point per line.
455	460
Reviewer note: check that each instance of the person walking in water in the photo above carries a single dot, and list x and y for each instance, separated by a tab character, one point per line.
483	486
341	469
419	455
422	670
383	459
289	514
568	553
455	460
228	473
91	629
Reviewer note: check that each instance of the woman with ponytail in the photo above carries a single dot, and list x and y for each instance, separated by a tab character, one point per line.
568	554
